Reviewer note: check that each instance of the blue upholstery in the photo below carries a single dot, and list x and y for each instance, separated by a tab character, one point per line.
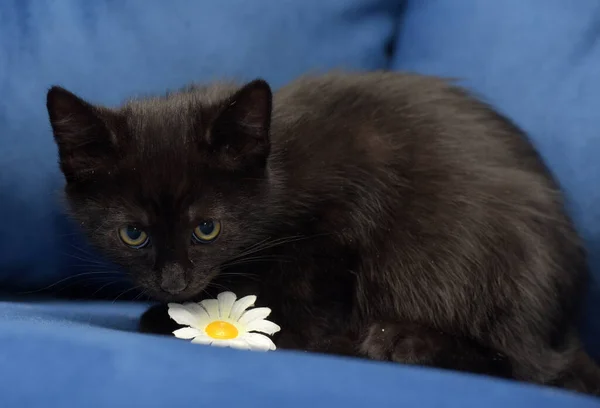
86	355
533	59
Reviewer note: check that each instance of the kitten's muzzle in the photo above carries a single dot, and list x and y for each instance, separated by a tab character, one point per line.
173	279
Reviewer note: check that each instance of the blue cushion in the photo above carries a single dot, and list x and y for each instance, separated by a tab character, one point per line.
109	50
84	354
75	354
538	62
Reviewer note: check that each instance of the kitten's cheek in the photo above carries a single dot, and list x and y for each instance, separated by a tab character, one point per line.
200	280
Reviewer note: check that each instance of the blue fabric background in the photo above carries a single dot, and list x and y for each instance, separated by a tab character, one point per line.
85	355
534	59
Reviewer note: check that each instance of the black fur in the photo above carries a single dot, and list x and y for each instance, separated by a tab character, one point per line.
384	215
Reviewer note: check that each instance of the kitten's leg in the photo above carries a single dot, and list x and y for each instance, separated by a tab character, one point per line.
411	343
567	366
156	320
583	375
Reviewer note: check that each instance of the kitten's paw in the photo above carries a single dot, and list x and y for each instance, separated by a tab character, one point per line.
156	320
411	343
408	343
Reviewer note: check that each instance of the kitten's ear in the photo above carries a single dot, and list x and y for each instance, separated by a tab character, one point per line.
241	130
85	142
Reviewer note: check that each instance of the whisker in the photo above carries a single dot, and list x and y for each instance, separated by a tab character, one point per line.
262	245
268	244
126	291
69	278
265	258
83	251
90	260
207	293
83	283
139	295
217	286
258	243
254	277
246	262
226	274
92	266
105	286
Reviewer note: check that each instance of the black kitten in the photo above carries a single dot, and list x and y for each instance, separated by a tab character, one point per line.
381	215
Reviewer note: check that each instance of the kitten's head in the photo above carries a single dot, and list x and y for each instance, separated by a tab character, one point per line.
170	188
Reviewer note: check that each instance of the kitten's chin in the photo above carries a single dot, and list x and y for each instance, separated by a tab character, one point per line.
186	295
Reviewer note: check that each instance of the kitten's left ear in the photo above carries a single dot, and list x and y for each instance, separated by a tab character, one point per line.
85	142
240	133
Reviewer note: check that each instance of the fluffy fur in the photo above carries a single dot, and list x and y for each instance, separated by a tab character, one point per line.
383	215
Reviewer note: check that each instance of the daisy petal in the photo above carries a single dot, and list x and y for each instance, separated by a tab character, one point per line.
221	343
181	314
254	314
226	301
240	307
259	342
187	333
212	308
264	326
239	344
202	340
199	313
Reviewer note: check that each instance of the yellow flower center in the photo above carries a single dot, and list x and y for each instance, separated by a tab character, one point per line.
221	330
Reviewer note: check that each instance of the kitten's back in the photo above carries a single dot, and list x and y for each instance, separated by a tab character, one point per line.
421	165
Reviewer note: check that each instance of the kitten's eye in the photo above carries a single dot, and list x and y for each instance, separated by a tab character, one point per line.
133	237
206	231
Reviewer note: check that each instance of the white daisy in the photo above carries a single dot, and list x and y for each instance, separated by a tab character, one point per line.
225	322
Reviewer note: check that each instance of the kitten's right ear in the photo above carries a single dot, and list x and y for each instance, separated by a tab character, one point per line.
81	131
240	132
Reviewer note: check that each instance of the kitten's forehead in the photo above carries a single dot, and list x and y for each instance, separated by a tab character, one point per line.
163	166
157	124
162	157
175	119
181	102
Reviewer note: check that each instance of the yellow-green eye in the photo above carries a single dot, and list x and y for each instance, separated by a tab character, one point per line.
206	231
133	237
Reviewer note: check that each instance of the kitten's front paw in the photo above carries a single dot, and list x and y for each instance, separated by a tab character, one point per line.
156	320
409	343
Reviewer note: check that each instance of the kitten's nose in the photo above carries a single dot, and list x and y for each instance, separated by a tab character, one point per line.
173	279
173	286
